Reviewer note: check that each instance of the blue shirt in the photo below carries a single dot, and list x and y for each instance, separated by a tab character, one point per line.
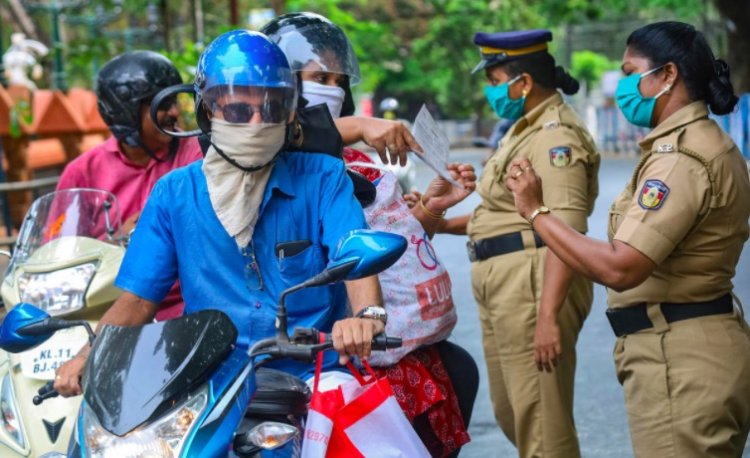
308	197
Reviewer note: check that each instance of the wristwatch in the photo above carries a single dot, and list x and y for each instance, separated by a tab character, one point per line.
373	312
539	211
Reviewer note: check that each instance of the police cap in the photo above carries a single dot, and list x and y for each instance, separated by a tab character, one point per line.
498	48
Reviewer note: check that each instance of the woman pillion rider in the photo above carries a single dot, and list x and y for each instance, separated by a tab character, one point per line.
327	67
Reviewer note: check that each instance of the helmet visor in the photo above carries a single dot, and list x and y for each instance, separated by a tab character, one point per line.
251	104
320	47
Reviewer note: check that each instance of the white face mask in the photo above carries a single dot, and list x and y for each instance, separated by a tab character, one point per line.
317	94
250	145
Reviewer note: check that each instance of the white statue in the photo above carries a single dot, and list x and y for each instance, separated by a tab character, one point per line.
21	55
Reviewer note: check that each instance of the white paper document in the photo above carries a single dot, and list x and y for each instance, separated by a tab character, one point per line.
434	143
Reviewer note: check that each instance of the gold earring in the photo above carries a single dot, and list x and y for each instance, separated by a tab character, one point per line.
524	92
297	137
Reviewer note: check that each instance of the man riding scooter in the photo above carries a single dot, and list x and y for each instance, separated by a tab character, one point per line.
324	59
248	221
129	163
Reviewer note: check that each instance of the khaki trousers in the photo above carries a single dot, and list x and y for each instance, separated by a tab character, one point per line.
534	409
687	386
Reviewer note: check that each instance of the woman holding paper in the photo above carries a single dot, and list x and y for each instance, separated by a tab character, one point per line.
531	305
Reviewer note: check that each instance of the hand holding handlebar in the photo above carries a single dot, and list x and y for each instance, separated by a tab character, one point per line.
45	392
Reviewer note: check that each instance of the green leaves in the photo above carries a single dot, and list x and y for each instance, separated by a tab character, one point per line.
20	113
415	50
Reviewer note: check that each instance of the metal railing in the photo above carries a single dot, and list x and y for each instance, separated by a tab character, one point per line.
615	134
36	186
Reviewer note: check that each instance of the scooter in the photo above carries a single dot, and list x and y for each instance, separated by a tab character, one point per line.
181	388
68	252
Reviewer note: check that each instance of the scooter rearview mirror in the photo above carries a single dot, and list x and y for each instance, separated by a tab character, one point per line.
163	100
13	339
370	252
359	254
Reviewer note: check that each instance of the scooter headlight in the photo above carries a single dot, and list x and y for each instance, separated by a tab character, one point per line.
9	410
270	435
161	438
57	292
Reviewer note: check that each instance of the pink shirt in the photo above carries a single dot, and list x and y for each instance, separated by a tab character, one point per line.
106	167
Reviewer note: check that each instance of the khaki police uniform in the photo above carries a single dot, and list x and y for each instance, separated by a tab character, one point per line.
687	382
533	408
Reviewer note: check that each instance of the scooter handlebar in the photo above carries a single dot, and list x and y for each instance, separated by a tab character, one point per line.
45	392
305	343
383	342
380	342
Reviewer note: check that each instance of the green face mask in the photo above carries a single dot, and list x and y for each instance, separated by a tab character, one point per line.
501	103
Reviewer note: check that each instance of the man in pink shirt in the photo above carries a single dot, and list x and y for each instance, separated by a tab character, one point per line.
129	163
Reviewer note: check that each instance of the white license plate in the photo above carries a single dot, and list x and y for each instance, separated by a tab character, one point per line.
42	362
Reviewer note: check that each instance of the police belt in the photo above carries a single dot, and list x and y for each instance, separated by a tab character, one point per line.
629	320
495	246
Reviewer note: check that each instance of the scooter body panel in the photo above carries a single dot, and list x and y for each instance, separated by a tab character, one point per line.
49	426
230	391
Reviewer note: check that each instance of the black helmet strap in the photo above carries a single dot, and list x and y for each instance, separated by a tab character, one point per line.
135	140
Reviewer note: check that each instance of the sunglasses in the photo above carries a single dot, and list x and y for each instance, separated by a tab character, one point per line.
241	113
168	103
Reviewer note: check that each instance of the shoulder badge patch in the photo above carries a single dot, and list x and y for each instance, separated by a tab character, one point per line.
559	156
653	194
551	125
665	148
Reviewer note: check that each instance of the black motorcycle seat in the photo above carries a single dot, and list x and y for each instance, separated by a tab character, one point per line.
278	393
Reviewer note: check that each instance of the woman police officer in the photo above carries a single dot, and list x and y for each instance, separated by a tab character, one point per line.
530	304
675	236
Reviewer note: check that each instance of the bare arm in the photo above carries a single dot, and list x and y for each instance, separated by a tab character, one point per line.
350	128
547	340
440	196
128	310
615	265
379	134
363	292
353	336
430	223
456	225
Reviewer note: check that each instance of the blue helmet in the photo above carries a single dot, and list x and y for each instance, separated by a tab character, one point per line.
238	63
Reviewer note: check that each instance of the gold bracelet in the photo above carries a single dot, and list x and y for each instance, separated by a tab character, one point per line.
429	213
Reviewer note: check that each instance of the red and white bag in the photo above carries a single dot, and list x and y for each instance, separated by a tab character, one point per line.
320	415
359	419
417	289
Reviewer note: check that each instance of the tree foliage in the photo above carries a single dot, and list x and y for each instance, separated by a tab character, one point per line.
416	50
588	67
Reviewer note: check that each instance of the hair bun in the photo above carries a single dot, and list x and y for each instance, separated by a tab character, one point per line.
721	98
565	82
721	68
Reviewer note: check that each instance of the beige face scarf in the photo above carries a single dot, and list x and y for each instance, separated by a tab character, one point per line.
236	195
